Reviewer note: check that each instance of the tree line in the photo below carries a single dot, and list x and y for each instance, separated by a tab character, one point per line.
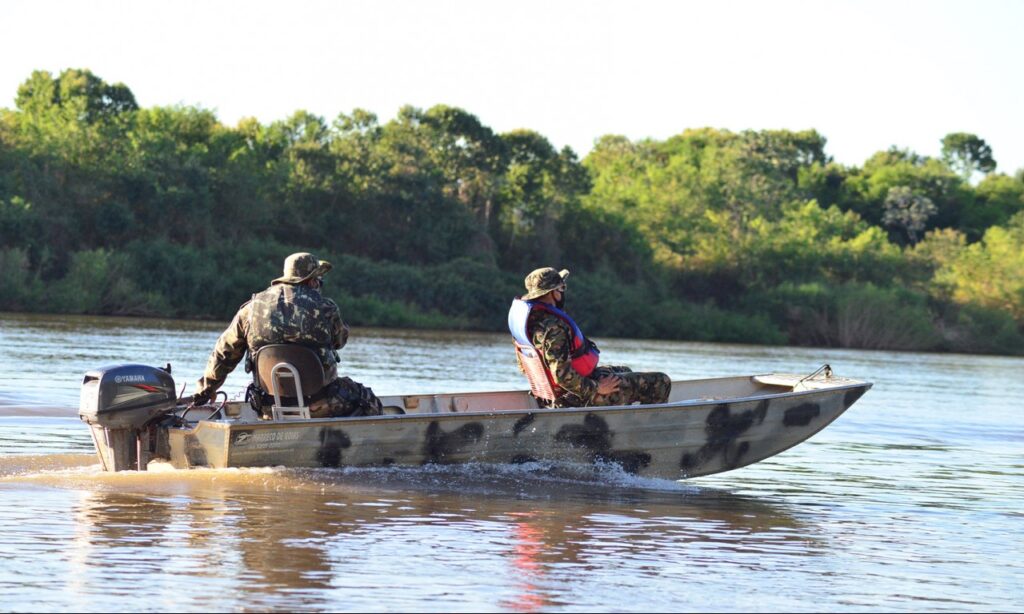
432	220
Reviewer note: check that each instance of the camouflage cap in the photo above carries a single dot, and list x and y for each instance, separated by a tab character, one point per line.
544	280
300	267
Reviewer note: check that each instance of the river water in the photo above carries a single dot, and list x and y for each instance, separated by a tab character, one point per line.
910	501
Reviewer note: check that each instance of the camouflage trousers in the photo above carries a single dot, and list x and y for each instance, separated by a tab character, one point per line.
644	388
346	399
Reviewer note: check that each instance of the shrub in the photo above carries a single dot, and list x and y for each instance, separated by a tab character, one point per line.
369	310
607	307
984	330
98	282
853	315
20	289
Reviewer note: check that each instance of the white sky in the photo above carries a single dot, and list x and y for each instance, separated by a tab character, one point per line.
866	74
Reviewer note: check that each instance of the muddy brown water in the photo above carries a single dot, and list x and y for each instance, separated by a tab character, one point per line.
910	501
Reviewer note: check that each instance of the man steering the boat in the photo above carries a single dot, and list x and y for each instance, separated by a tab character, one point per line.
292	310
562	368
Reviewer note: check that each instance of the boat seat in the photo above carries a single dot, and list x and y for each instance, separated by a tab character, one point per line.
293	374
536	372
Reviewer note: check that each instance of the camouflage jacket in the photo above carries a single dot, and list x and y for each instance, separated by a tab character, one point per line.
282	313
553	338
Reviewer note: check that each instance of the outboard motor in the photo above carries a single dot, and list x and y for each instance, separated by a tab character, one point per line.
118	402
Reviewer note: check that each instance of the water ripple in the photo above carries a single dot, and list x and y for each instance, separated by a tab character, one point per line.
910	501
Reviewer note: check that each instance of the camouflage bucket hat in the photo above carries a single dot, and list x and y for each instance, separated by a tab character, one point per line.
300	267
542	281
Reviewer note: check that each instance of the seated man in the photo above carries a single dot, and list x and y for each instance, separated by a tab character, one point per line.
570	359
292	310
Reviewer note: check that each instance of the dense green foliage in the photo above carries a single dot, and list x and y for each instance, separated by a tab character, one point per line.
433	220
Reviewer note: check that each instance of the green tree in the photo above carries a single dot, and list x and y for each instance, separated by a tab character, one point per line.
91	98
538	186
926	177
967	153
989	272
998	198
936	250
169	171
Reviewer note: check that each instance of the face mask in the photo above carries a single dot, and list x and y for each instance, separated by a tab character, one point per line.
560	303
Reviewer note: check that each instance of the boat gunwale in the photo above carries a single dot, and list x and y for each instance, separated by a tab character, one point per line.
230	424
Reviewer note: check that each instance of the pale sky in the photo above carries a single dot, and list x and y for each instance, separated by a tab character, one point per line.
866	74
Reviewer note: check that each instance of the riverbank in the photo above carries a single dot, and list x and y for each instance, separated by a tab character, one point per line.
167	282
433	220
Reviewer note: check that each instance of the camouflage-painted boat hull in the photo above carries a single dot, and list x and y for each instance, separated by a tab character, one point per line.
708	426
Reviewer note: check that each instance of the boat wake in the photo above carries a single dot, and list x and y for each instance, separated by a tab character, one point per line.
544	479
21	465
493	477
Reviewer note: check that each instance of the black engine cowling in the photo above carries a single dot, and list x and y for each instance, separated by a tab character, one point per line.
126	396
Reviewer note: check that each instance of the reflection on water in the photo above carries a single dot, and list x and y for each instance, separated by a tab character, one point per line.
910	501
520	537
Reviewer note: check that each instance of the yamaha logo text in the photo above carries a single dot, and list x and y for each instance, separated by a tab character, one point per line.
128	379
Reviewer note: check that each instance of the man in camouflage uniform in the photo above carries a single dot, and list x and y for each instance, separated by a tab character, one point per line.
292	310
552	336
